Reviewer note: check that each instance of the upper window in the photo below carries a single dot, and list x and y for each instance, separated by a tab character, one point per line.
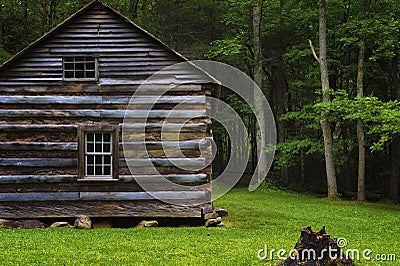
80	68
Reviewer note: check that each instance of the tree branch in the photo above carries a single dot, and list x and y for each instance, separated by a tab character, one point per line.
313	52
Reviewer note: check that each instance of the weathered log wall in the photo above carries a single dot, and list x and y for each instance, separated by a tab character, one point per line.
40	115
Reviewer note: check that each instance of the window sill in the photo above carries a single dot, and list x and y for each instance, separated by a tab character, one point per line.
98	180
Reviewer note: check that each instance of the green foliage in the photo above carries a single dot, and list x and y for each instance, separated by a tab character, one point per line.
381	121
4	55
289	150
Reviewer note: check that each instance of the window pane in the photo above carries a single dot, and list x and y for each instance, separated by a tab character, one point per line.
69	66
90	136
80	66
90	66
90	74
107	159
98	148
69	59
69	74
107	170
79	59
90	147
107	147
99	160
79	74
107	137
90	171
99	137
99	170
90	159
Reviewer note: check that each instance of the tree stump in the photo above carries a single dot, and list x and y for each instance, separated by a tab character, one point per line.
315	249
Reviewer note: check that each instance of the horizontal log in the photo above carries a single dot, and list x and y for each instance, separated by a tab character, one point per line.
27	171
104	196
101	100
40	136
108	86
50	179
133	62
102	50
163	162
35	127
21	210
155	145
130	136
20	179
45	87
47	196
161	195
180	179
39	146
37	162
164	127
130	114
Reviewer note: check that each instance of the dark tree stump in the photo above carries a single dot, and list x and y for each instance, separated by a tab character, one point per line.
316	249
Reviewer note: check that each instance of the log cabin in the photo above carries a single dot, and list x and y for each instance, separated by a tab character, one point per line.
62	102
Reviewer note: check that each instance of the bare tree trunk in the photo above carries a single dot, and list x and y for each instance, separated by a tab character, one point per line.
325	125
45	17
360	125
1	23
25	33
133	8
258	78
53	14
395	145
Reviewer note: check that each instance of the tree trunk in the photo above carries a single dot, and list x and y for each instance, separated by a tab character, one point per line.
133	8
360	125
325	125
1	23
258	78
53	14
45	17
25	30
395	145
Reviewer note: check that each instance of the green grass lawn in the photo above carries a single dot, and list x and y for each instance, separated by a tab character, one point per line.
256	219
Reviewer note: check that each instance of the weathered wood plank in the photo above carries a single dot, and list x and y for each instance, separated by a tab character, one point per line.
131	114
156	145
20	210
102	50
33	179
103	196
162	195
45	87
139	99
35	127
38	162
163	162
39	146
46	196
173	127
165	136
193	178
49	179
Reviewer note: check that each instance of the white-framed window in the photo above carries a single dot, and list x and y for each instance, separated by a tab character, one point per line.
98	152
80	68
